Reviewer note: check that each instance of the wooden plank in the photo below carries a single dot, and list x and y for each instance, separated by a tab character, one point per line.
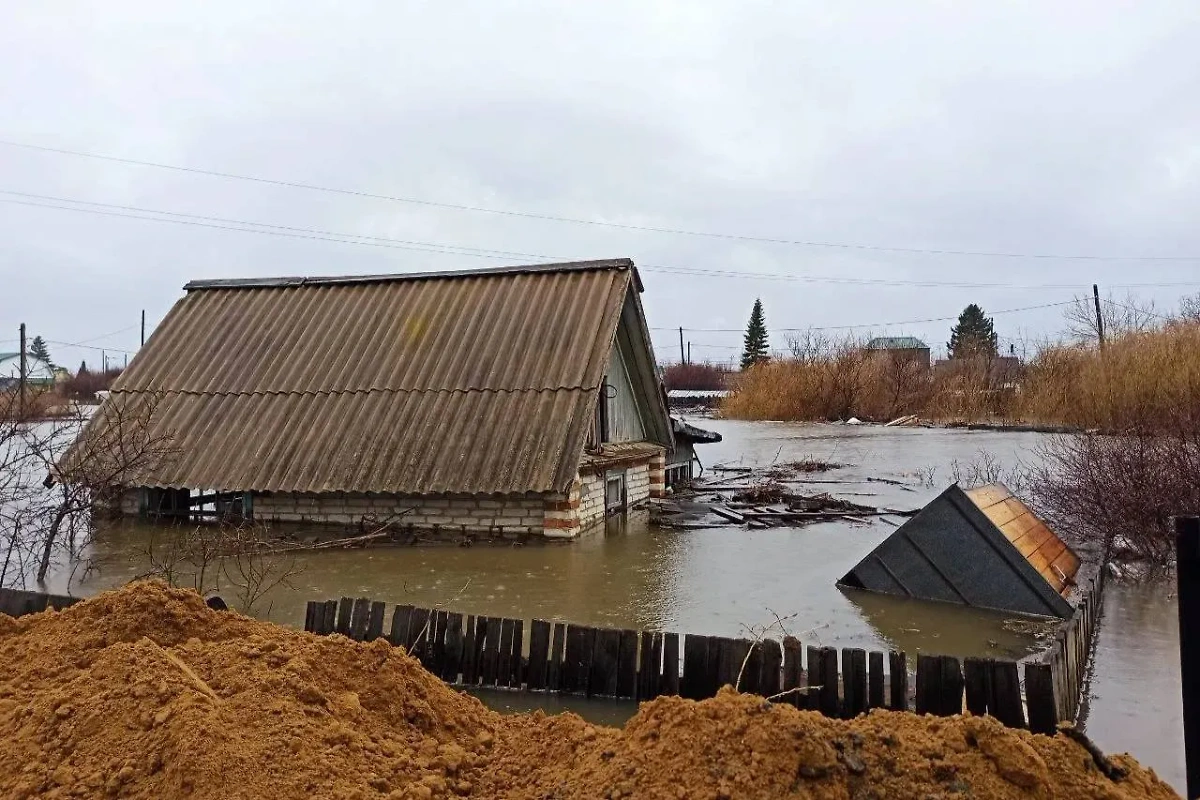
555	667
575	662
401	616
711	682
812	698
453	657
854	681
439	642
589	648
491	651
360	614
898	680
310	616
669	683
345	608
952	687
539	652
929	684
504	667
770	676
1006	688
375	620
517	673
977	681
603	675
829	705
793	666
656	661
727	663
1039	695
875	683
750	666
627	664
695	666
647	670
329	624
470	670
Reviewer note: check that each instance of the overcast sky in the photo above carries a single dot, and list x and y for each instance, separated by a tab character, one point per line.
1030	128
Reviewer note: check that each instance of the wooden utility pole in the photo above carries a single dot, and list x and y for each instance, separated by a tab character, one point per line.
23	375
143	326
1099	316
689	353
1187	572
682	355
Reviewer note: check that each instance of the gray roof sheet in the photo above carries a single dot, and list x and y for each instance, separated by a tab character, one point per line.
474	382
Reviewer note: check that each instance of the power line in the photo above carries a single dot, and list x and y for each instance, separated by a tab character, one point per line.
296	232
592	222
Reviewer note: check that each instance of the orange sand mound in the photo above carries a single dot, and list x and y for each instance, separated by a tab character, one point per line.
146	693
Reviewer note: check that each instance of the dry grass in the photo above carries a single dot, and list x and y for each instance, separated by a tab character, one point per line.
1144	380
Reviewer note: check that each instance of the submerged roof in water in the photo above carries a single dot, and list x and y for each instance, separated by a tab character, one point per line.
980	548
475	382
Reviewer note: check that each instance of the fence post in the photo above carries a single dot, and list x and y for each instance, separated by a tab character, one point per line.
1187	570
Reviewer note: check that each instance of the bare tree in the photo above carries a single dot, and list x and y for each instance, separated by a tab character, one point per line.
52	479
1131	314
1189	308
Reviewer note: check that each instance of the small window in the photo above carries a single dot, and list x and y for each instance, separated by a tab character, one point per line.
614	492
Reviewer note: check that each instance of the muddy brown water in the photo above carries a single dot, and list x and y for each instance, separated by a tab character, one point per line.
719	581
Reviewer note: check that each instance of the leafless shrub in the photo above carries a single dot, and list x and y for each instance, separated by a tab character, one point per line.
51	483
234	555
1130	314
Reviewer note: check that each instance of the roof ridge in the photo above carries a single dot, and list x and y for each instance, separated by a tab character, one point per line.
334	280
368	390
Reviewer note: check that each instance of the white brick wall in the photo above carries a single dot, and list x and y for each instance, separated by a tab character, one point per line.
591	500
517	514
637	484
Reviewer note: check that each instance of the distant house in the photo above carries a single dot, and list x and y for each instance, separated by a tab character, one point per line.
998	371
37	371
502	402
907	348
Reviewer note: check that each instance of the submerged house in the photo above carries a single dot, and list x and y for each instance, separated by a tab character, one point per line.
981	547
511	401
901	349
682	459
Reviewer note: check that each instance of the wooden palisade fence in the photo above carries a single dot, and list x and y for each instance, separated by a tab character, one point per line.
18	602
489	652
1069	653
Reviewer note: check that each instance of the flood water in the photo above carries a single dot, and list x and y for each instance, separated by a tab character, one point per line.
1135	705
719	581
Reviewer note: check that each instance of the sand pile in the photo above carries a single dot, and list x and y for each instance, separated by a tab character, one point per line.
146	693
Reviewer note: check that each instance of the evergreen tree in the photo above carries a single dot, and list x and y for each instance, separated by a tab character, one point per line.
755	350
974	334
37	349
83	370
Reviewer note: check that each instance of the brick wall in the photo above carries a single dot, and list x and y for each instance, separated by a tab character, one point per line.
591	500
515	514
637	484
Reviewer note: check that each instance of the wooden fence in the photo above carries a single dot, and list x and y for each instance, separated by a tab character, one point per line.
490	652
1069	654
17	602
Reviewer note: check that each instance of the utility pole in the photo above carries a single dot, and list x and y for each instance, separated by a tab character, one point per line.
23	376
1099	316
143	326
689	353
682	355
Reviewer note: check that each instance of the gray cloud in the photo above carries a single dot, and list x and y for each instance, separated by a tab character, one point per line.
1060	128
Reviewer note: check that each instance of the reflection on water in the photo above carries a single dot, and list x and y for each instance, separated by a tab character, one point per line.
598	710
715	581
1135	704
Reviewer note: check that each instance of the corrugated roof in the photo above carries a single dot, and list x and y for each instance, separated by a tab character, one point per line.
463	382
1044	551
896	343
